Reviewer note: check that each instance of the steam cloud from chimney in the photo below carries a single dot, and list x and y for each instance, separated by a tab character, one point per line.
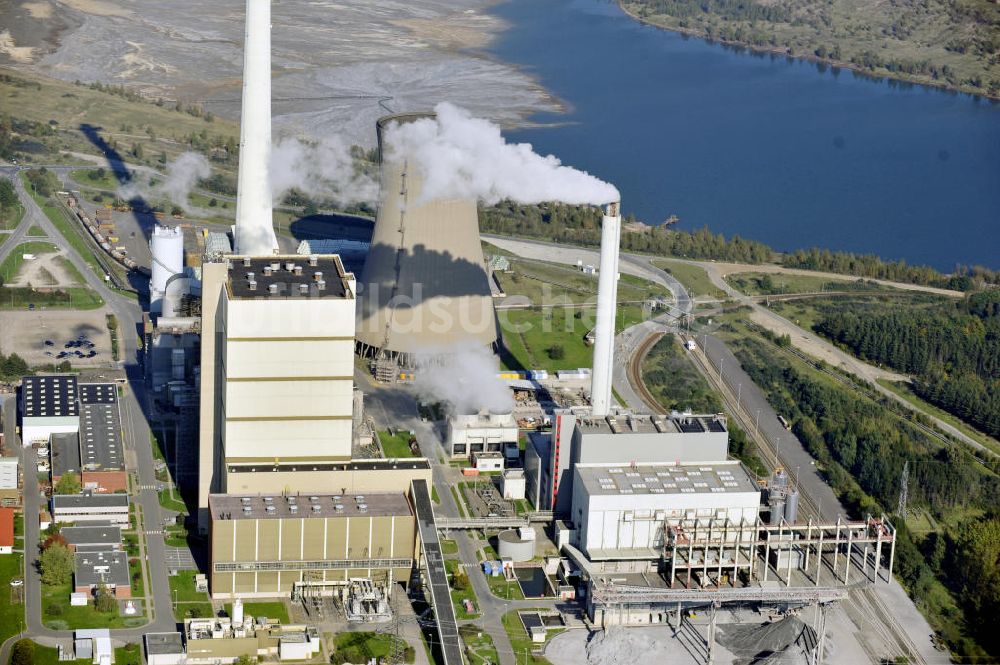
181	177
322	169
465	157
465	378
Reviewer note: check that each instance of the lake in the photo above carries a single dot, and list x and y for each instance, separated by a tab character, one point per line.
778	150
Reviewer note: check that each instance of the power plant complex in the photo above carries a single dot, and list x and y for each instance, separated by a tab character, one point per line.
649	513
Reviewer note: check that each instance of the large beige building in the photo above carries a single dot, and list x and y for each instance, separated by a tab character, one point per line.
266	545
276	370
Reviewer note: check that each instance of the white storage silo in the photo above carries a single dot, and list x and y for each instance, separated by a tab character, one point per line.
167	247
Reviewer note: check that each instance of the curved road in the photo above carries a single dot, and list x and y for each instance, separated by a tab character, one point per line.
137	444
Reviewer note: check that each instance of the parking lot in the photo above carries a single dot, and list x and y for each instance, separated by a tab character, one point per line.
25	333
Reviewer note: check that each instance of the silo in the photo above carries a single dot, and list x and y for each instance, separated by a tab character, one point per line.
777	511
167	248
792	506
424	287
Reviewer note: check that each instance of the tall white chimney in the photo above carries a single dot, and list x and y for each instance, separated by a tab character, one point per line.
254	220
607	304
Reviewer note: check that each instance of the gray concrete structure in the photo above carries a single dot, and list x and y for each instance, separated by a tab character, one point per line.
578	438
424	287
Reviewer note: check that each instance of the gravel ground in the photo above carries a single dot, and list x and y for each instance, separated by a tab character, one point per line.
24	333
409	55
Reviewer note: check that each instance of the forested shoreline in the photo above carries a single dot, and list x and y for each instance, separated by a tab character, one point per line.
952	350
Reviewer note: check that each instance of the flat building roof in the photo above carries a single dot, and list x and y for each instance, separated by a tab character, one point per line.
644	479
49	396
649	424
289	276
100	437
277	506
79	501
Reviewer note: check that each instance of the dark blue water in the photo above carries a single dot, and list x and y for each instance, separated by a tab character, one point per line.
765	147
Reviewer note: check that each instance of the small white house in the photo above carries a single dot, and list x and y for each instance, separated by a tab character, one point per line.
513	484
487	461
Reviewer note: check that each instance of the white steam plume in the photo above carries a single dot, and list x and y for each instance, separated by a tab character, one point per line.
324	169
465	378
466	157
181	177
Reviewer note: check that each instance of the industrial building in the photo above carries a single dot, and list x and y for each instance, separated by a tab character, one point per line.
164	649
10	481
6	530
299	544
90	507
425	287
93	452
91	569
278	335
481	432
219	640
578	437
48	406
95	538
623	511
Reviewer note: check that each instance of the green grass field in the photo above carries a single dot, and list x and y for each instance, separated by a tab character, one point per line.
58	614
479	647
360	647
521	642
70	298
531	336
458	596
11	219
395	446
756	283
11	615
93	179
272	610
187	601
555	284
50	656
694	278
65	108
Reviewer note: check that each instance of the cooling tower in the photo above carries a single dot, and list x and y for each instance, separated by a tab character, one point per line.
425	288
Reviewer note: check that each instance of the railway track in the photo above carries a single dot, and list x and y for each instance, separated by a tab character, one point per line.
874	395
635	371
864	599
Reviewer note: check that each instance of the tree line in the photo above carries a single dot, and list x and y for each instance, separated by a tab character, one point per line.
861	445
953	350
581	225
873	267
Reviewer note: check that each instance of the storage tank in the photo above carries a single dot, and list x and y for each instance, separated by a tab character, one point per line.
792	506
777	512
237	611
167	248
512	546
